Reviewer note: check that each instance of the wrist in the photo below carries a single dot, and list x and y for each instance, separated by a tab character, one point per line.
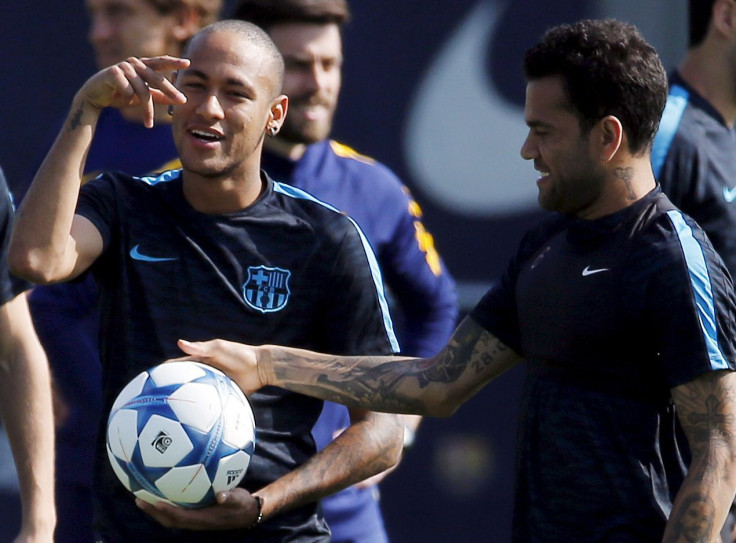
83	111
259	515
264	366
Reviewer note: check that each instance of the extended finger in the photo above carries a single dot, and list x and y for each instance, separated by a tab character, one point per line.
137	74
155	78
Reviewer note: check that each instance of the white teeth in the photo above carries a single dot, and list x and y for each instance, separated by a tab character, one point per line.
206	135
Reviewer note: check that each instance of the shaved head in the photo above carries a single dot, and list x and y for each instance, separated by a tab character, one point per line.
254	36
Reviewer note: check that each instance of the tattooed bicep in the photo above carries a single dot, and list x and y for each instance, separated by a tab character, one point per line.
706	407
471	349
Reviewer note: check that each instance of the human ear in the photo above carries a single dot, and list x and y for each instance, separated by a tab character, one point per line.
610	135
277	114
724	18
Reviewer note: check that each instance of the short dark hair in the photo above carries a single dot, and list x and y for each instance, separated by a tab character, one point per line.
257	37
700	15
266	13
607	68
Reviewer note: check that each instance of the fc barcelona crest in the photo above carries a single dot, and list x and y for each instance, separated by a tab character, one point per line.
267	289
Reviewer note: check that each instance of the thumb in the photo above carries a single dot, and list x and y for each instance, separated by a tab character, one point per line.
194	348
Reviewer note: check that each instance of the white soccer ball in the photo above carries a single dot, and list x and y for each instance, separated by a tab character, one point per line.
180	432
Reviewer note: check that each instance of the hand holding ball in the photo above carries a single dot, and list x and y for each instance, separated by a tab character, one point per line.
180	432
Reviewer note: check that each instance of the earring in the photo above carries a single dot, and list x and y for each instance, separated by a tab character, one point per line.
170	110
272	130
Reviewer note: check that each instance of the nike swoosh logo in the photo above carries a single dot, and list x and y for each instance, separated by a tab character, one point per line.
729	194
588	271
135	254
432	123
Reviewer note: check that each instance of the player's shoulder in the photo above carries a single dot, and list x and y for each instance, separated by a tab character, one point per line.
666	237
307	207
358	164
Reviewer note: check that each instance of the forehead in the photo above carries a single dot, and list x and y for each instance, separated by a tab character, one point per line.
229	54
307	39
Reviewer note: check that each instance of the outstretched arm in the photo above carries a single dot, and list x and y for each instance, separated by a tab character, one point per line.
706	409
435	386
25	406
49	243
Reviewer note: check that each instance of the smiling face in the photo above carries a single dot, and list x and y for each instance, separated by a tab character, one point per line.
572	181
312	79
231	93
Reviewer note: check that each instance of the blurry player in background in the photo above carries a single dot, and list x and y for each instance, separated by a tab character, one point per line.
694	153
308	35
25	396
66	315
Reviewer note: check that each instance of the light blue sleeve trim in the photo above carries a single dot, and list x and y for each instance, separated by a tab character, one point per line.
375	269
700	281
671	116
161	178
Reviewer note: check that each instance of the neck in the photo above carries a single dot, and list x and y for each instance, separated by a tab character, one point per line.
285	149
627	182
709	71
221	195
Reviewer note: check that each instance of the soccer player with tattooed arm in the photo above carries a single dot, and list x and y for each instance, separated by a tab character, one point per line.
616	303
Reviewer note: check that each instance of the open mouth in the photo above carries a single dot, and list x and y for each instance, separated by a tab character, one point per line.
206	136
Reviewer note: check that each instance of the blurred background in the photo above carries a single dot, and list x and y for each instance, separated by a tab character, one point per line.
433	89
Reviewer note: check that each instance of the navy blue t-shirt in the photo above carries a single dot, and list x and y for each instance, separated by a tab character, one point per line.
170	272
610	315
421	288
694	160
10	286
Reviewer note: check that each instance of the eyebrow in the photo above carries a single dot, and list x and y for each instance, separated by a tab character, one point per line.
532	123
234	82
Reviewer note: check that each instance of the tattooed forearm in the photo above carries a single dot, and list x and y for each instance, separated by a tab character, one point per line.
692	521
436	385
370	382
75	120
626	175
707	412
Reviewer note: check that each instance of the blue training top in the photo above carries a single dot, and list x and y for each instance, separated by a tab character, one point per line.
610	314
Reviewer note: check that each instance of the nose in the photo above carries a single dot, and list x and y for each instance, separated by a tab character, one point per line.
318	76
528	148
210	107
99	29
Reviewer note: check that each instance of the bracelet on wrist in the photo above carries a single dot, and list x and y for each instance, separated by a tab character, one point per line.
409	436
259	518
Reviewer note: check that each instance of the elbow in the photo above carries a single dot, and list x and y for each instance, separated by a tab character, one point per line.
393	449
30	266
442	404
443	411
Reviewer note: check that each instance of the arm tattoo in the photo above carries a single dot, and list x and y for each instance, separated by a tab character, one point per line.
705	407
75	121
693	520
470	347
391	385
626	174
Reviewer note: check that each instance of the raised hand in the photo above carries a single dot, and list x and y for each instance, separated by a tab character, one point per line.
135	82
